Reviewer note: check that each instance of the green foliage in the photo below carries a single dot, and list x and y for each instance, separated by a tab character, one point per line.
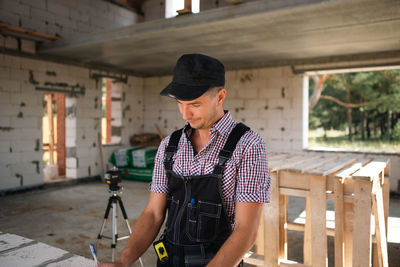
328	114
377	96
396	132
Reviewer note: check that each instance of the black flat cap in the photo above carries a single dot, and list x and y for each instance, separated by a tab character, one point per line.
194	74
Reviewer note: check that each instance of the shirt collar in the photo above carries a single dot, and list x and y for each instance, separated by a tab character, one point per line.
222	126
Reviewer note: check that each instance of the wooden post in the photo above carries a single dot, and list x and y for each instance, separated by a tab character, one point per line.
50	118
307	248
339	222
271	224
283	212
318	220
260	235
348	233
361	255
380	229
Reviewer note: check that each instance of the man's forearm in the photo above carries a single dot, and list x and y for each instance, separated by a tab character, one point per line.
243	237
143	234
231	253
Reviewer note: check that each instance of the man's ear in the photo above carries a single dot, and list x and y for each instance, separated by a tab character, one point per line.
221	96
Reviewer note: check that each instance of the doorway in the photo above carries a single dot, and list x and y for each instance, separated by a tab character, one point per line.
53	137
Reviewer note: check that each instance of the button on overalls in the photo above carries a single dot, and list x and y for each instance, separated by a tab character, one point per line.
197	223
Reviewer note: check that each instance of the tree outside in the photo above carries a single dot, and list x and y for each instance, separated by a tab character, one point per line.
355	111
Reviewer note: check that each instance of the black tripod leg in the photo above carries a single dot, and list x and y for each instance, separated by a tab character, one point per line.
110	200
121	205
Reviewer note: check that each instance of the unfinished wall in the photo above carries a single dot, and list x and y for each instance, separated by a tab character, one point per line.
65	18
21	112
268	100
153	9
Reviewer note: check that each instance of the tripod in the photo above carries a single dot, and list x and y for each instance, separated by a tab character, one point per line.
113	200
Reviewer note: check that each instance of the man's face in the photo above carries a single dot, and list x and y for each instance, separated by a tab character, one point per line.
202	112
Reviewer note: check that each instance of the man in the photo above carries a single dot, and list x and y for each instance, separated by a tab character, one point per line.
211	177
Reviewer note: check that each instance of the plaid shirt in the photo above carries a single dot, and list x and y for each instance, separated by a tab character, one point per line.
246	177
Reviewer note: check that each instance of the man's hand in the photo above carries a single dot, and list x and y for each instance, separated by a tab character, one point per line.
144	232
110	264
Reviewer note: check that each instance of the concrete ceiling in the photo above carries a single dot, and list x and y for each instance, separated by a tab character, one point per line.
252	34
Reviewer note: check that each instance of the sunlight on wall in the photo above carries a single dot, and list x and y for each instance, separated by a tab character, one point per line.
171	6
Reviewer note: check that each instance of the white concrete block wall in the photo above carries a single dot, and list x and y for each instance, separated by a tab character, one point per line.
261	98
153	9
65	18
21	111
132	109
20	121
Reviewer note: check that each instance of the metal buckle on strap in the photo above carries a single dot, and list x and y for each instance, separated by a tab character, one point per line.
224	156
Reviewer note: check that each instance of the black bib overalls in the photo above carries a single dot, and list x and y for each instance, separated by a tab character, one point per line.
197	223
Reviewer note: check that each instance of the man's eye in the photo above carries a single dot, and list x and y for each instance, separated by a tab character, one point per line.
196	105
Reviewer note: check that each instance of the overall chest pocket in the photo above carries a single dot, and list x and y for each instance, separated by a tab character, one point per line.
203	220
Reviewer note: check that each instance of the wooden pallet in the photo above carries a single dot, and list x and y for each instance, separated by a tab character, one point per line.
359	189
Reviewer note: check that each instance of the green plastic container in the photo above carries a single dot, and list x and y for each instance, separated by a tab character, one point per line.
143	157
137	174
123	157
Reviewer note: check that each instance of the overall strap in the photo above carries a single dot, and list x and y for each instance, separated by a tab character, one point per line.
172	148
226	153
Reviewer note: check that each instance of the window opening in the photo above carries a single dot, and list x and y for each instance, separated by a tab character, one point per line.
172	6
111	119
53	136
355	111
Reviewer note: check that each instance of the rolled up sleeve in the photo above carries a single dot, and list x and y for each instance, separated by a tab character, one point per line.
253	181
159	182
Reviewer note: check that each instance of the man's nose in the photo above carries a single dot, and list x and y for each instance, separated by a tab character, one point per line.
186	114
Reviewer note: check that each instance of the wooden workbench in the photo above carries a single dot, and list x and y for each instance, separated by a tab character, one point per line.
358	186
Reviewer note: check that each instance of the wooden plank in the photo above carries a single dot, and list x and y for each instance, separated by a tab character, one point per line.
272	164
28	32
372	169
347	172
307	166
51	126
293	180
332	167
386	196
362	224
348	233
289	263
348	187
318	220
294	192
283	213
307	244
290	163
271	219
260	234
275	156
346	198
301	227
254	259
380	227
339	223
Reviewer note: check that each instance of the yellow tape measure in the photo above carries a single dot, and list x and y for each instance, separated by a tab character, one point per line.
161	251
